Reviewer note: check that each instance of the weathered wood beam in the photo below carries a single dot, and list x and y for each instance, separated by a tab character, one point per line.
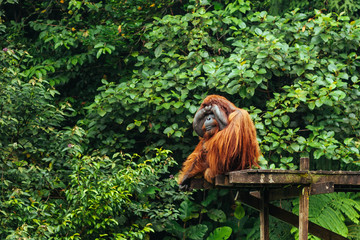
322	188
287	192
247	177
281	177
264	215
222	180
304	204
289	217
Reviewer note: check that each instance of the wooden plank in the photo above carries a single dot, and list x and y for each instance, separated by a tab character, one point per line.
243	177
293	177
336	178
264	215
280	193
222	180
289	217
325	172
280	171
287	192
304	204
274	171
322	188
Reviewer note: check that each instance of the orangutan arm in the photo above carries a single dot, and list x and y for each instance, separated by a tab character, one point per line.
194	165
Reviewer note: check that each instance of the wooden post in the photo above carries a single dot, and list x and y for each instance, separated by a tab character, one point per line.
304	204
264	215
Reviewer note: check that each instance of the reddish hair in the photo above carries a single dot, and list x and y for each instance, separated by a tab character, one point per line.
233	148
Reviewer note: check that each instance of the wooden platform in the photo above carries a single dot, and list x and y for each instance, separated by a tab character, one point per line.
286	183
258	187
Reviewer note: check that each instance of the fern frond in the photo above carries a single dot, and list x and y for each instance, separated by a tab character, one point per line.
332	220
346	205
347	6
332	211
351	209
354	232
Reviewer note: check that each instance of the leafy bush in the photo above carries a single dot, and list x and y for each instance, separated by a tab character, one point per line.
288	72
122	197
301	65
33	168
51	188
131	74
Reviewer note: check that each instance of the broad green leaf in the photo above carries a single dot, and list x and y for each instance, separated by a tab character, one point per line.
325	37
193	109
311	105
99	52
101	112
332	67
197	232
158	51
295	147
262	71
344	75
209	68
239	211
301	140
277	58
99	45
188	210
151	190
220	233
262	54
318	153
168	130
178	134
141	128
178	104
106	49
216	215
130	126
249	74
258	31
285	119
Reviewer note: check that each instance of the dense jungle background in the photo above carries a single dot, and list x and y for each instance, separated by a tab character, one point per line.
97	100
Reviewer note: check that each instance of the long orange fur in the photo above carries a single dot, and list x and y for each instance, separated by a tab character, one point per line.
233	148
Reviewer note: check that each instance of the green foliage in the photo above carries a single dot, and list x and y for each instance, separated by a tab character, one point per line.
287	61
280	7
332	211
105	195
220	233
354	231
89	89
304	65
208	219
82	40
51	188
33	168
